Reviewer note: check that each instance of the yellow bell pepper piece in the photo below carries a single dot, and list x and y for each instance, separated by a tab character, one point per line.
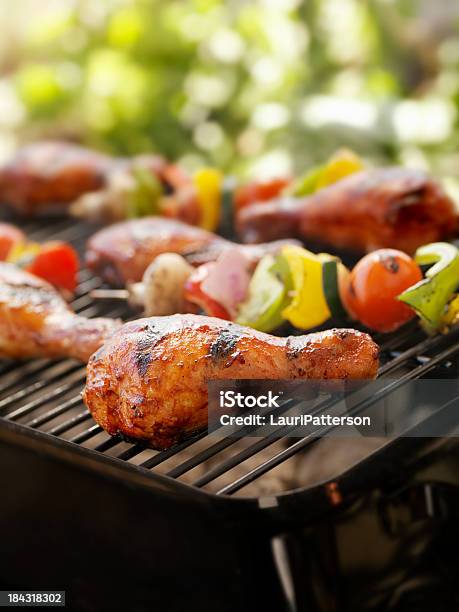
343	163
208	183
451	316
308	307
340	165
23	253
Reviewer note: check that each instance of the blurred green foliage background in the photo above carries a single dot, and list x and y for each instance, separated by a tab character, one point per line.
256	87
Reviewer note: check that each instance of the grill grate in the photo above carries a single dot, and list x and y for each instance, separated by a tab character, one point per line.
45	395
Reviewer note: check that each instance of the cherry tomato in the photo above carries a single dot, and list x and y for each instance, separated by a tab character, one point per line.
57	262
9	236
373	286
259	192
193	293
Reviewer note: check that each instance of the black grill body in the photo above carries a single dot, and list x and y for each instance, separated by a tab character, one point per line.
113	535
103	520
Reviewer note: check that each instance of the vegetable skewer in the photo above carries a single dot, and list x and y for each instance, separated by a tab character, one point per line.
383	291
295	285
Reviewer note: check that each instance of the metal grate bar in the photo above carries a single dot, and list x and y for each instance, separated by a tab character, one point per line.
41	234
107	445
206	454
131	452
22	370
68	369
419	349
42	400
86	435
221	445
229	464
166	454
49	416
76	420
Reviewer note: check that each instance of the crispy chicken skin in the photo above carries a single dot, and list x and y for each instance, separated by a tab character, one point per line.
48	176
388	207
122	252
149	380
35	321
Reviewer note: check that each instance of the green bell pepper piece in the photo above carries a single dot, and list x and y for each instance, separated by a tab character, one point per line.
307	183
430	296
144	198
267	296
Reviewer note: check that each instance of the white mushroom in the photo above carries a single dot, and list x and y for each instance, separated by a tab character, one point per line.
107	204
161	290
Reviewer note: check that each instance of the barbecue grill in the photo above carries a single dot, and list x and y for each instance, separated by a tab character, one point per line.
221	523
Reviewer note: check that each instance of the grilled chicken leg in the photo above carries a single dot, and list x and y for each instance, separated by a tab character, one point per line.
121	253
149	380
50	175
387	207
36	322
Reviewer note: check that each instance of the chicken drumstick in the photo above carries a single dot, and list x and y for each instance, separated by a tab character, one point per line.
386	207
149	380
35	321
48	176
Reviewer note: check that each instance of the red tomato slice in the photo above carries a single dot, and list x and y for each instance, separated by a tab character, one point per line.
193	293
57	263
261	191
9	236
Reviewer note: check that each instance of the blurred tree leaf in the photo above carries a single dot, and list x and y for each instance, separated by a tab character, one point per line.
39	88
260	86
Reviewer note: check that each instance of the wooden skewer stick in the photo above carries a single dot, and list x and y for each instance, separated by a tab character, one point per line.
161	290
110	294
